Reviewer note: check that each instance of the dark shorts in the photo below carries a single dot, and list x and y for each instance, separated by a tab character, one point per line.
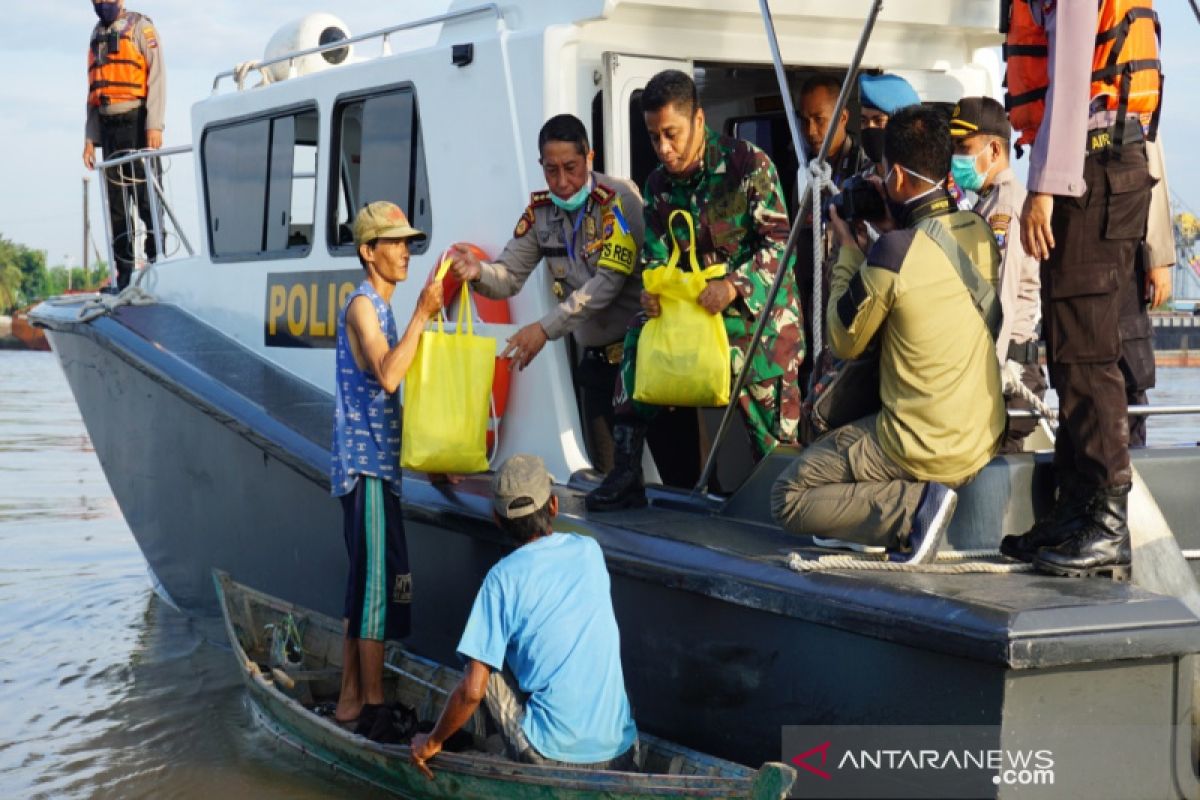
379	588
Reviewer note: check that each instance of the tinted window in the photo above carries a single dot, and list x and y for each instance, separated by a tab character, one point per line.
260	184
380	157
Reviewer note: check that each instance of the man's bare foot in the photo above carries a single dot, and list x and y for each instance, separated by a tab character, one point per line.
347	711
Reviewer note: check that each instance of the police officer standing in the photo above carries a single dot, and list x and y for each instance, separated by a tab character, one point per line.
125	107
1085	217
982	139
588	229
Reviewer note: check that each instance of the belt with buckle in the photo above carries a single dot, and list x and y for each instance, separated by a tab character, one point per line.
1101	139
1023	352
608	353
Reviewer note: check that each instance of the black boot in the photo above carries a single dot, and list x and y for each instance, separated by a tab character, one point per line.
1066	517
1100	546
623	487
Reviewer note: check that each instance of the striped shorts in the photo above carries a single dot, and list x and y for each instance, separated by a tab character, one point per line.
379	588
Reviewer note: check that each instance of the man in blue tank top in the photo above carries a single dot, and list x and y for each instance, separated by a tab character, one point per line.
371	363
541	645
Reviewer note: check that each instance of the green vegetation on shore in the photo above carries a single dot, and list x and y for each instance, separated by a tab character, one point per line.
25	278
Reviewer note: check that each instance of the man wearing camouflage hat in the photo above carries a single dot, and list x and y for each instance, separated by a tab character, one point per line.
372	360
980	164
541	645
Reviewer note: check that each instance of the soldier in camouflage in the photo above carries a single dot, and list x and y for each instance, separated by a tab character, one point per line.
731	189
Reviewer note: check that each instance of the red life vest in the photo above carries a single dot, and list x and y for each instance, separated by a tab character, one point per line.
117	70
1126	70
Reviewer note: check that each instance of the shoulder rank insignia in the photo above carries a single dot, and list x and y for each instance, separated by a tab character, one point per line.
603	194
524	224
541	198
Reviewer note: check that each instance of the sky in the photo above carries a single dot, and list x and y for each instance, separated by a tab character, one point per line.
41	129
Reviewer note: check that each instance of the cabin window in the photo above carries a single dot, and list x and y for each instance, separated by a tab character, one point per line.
260	186
380	156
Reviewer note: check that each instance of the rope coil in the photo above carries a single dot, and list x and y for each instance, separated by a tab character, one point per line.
967	563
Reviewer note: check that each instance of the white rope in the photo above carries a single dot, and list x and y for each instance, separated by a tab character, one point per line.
1011	375
242	70
820	177
865	563
104	304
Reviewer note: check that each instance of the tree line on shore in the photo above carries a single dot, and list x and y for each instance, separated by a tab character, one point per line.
25	278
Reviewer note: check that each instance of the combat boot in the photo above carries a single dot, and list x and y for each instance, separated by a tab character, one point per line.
623	487
1066	517
1100	546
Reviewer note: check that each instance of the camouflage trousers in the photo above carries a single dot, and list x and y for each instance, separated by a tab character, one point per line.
770	400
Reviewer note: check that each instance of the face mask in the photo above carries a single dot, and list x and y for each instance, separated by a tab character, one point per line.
575	201
898	209
872	143
966	172
107	12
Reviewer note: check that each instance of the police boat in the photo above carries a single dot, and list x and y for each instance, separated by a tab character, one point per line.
207	392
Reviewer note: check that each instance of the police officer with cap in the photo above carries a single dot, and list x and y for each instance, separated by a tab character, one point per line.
880	96
982	139
587	227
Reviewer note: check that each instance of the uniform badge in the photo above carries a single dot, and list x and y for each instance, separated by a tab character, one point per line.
1000	224
524	223
589	229
620	250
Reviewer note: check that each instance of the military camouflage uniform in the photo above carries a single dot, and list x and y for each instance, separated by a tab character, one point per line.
736	201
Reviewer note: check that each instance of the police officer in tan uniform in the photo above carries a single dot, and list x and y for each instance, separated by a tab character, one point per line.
982	137
588	229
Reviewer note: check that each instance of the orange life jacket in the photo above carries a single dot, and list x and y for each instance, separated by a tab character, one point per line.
117	70
1125	66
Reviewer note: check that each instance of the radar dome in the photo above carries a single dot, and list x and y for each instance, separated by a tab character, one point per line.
313	30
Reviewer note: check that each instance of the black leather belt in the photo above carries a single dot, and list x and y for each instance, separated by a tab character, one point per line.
1024	352
1101	139
609	353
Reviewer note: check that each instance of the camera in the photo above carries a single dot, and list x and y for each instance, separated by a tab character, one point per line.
859	200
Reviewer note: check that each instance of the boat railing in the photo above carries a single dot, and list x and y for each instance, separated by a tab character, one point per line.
238	74
1134	411
142	174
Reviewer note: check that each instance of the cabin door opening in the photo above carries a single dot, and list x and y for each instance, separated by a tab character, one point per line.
626	146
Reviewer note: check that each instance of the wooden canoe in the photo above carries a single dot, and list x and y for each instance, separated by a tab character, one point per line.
290	659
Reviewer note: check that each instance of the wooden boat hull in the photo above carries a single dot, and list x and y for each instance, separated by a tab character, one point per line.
465	776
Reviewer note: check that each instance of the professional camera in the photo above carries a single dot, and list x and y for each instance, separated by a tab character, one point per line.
858	201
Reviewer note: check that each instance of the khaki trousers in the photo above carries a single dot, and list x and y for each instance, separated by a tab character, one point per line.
845	487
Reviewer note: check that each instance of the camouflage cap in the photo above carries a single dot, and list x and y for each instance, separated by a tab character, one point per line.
521	486
383	220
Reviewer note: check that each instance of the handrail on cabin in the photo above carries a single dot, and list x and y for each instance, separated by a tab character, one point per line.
383	33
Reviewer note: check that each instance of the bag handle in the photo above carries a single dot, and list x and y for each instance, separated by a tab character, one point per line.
983	295
673	261
464	301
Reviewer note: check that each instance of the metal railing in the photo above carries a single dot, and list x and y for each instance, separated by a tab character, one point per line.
134	173
238	74
1134	411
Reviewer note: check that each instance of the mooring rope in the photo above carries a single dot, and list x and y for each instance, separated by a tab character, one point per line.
104	304
966	564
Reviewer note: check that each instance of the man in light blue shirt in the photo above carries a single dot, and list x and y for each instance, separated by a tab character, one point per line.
541	645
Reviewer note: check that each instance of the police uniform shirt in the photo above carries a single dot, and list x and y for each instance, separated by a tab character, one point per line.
1020	284
145	39
592	256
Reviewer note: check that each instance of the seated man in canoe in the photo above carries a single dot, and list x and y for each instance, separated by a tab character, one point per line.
541	645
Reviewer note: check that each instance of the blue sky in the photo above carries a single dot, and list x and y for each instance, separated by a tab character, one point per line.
41	130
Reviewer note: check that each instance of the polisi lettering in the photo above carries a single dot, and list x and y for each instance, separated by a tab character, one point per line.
302	307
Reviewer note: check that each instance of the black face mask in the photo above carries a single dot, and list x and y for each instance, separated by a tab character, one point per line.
872	144
107	12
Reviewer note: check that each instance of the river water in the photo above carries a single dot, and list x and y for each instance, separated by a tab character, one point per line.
107	691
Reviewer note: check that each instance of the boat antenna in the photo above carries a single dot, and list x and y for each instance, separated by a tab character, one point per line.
818	174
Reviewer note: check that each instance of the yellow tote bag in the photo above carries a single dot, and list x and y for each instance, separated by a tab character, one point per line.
447	393
683	355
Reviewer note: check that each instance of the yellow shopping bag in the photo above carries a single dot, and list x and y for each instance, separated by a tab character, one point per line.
683	355
446	396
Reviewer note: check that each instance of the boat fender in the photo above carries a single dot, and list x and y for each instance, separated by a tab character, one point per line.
491	311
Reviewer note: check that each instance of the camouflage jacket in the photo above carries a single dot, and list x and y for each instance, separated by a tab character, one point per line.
741	221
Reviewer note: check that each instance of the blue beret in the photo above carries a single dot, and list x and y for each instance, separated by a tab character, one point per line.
888	93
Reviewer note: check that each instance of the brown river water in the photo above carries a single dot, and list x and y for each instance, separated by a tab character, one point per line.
105	690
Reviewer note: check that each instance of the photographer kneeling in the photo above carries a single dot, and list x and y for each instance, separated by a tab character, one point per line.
925	292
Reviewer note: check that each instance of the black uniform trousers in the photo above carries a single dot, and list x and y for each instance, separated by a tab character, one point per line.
1137	347
1097	237
119	135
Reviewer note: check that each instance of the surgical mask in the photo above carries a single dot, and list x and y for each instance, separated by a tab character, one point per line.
107	12
965	169
872	143
575	201
899	210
